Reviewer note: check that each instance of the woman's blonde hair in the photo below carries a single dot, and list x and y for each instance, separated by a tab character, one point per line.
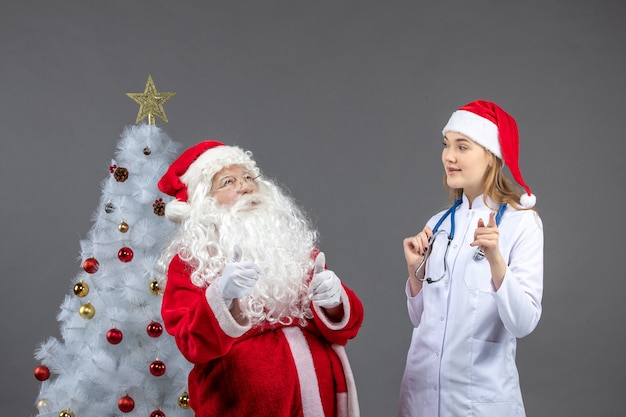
498	186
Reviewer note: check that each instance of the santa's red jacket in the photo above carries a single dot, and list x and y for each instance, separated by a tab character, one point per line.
263	371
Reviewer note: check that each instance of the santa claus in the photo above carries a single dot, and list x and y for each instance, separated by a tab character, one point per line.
248	297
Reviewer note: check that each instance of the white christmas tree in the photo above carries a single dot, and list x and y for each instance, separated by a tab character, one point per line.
115	359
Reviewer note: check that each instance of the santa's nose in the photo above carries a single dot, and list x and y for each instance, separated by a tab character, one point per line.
246	187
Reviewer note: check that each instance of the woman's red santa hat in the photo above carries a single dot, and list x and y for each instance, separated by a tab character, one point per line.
198	163
488	125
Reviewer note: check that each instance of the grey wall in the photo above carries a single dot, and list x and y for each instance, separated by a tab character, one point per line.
342	102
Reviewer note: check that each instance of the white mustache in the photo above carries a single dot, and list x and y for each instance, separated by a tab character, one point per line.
245	202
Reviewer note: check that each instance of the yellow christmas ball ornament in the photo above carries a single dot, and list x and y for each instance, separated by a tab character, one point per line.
87	311
66	413
81	289
42	405
123	227
154	287
183	401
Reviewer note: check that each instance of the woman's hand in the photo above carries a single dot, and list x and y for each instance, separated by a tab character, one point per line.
415	248
487	238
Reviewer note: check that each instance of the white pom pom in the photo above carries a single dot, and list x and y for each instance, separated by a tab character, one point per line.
177	211
528	200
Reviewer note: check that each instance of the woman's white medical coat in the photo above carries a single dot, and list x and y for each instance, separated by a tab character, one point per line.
461	361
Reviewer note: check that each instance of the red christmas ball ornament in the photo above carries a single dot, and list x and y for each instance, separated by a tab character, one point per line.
154	329
90	265
42	373
157	413
126	404
125	254
157	368
114	336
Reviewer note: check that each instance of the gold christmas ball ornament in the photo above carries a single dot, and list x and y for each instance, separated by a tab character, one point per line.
183	401
123	227
154	287
42	405
66	413
87	311
81	289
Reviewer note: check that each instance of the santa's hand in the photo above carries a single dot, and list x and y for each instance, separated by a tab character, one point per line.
325	287
238	279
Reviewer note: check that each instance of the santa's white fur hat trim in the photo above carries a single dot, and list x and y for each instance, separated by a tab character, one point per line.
197	164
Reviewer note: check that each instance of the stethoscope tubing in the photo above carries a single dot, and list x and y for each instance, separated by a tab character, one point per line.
478	254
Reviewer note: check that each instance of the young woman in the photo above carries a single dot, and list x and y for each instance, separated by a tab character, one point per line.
475	276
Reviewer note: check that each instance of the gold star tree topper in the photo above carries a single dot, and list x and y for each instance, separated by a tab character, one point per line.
150	102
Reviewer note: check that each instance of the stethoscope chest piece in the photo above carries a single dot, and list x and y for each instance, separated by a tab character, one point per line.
479	254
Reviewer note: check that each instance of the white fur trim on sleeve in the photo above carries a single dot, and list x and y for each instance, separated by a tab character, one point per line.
346	313
226	320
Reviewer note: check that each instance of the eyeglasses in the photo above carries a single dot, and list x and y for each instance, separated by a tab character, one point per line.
429	249
234	183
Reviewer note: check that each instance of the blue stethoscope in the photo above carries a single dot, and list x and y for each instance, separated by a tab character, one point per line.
479	254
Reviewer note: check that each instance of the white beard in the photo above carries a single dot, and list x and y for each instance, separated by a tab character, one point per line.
272	233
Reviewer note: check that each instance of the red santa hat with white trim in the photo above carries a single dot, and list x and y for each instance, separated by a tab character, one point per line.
198	163
488	125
